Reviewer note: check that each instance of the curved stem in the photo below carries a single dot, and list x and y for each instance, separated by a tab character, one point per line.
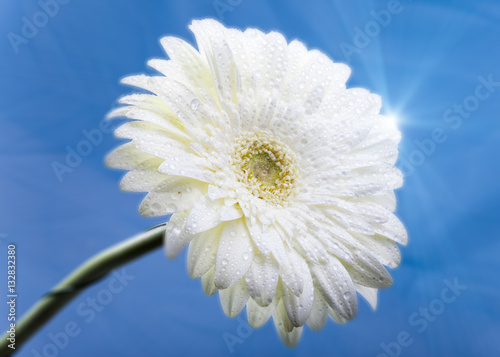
86	274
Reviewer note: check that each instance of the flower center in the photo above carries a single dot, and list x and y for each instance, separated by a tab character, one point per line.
266	166
264	169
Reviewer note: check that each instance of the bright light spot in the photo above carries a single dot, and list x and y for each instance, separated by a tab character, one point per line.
393	120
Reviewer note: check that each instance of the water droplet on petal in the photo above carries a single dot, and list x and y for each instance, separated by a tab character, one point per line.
195	103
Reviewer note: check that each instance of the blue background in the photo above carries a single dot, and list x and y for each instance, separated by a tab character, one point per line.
65	79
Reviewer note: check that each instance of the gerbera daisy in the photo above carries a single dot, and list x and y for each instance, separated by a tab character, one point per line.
278	178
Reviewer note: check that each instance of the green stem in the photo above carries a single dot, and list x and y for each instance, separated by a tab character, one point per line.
86	274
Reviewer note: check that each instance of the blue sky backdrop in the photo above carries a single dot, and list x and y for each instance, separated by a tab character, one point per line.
436	65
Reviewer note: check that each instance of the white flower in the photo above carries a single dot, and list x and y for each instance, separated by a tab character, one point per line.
278	177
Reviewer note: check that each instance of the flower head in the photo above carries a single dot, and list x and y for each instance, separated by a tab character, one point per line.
278	178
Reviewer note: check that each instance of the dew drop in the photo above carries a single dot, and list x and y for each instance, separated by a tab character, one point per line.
176	195
195	103
257	259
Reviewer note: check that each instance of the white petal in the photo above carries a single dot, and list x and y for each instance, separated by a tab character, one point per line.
234	298
229	213
345	238
299	308
149	108
180	51
187	166
142	100
359	185
215	192
368	211
175	95
382	153
196	78
332	245
152	139
281	317
166	67
142	180
269	241
386	200
208	282
190	62
204	215
258	315
385	250
335	284
394	230
202	251
264	54
274	63
161	116
336	317
179	98
310	69
292	270
317	319
289	334
176	237
262	278
358	104
140	81
370	294
311	249
172	195
353	223
383	129
203	30
224	68
234	255
368	271
262	239
128	157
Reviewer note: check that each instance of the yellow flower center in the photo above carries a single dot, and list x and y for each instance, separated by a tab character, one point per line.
266	166
264	169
